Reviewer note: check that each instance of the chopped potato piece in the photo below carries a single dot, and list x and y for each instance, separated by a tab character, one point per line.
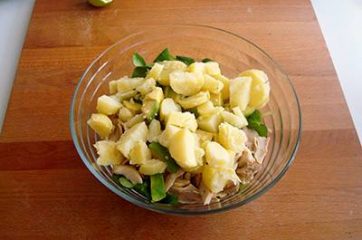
139	153
212	68
131	136
169	67
260	88
108	153
238	121
101	124
216	178
134	120
226	83
205	108
183	147
156	94
112	85
121	96
167	134
212	85
152	167
186	83
132	106
194	100
182	120
204	136
209	123
196	67
107	105
232	138
125	114
218	156
154	131
126	84
155	71
217	99
240	92
168	106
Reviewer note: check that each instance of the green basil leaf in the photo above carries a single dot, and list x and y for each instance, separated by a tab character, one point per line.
186	60
139	72
262	130
255	117
165	55
138	60
205	60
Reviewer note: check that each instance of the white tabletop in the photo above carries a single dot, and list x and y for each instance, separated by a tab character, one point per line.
340	22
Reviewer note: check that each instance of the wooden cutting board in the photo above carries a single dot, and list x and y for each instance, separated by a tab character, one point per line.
47	193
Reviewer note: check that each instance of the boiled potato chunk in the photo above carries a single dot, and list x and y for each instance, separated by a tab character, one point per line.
101	124
168	106
209	123
205	108
126	84
212	85
107	105
131	136
147	86
196	67
217	156
204	136
120	96
134	120
132	106
238	121
216	99
216	178
108	153
156	94
183	147
194	100
182	120
232	138
260	88
240	92
169	67
139	153
112	85
226	82
154	131
212	68
165	138
152	167
186	83
155	71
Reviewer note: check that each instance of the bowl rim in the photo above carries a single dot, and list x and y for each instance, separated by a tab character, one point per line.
182	212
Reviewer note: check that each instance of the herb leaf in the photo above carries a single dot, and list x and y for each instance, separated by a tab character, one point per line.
205	60
143	189
186	60
255	122
140	71
163	56
125	182
138	60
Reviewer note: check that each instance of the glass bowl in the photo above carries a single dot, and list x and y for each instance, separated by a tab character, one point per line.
235	54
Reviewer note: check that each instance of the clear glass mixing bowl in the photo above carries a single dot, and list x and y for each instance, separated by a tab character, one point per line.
235	54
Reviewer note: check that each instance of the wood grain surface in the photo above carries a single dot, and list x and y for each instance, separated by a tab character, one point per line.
47	193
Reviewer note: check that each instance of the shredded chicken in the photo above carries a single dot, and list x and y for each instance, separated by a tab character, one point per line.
261	148
206	195
185	191
171	178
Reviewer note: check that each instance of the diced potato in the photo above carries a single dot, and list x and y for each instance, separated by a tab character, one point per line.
209	123
152	167
121	96
198	67
108	153
240	92
182	120
216	178
131	136
217	156
212	68
154	131
147	86
107	105
112	85
249	110
182	149
212	85
132	106
134	120
169	67
125	114
156	94
232	138
165	138
226	82
204	136
139	153
194	100
186	83
101	124
238	121
155	71
216	99
260	88
168	106
126	84
205	108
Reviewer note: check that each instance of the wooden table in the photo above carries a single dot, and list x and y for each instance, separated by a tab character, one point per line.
47	193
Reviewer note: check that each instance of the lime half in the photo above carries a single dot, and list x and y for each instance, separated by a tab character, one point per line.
100	3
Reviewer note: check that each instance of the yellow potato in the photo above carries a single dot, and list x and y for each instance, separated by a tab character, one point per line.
165	138
131	136
139	153
226	83
205	108
260	88
186	83
217	156
155	71
240	92
152	167
107	105
209	123
231	137
101	124
194	100
126	84
169	67
107	153
216	178
212	84
147	86
212	68
125	114
238	121
168	106
154	131
182	120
